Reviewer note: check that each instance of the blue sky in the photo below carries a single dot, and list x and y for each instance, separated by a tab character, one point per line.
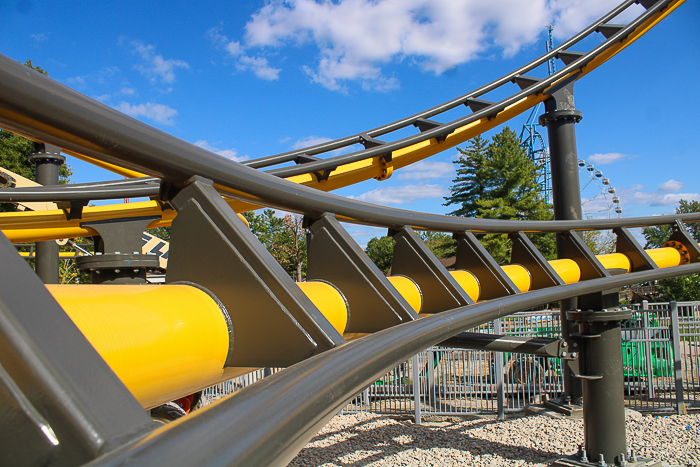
248	79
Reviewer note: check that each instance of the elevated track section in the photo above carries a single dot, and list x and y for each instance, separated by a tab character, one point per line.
80	363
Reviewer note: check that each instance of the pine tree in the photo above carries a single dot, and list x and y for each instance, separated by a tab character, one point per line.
468	186
498	181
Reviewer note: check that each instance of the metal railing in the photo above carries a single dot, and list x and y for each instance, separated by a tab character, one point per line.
661	340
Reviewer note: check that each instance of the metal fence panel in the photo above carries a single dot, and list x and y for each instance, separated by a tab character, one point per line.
445	381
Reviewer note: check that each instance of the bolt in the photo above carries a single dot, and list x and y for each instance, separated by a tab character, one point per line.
117	271
97	271
584	457
575	344
623	462
564	344
136	271
563	355
601	461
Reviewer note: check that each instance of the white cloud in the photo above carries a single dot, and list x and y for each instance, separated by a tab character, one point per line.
103	76
157	112
155	67
227	153
636	195
258	65
310	141
355	39
608	158
426	170
671	186
39	37
127	91
402	194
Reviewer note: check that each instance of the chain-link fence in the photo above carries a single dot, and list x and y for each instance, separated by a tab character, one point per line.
661	367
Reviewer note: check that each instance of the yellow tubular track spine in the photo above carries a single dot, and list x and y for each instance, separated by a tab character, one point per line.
163	342
468	282
409	290
329	301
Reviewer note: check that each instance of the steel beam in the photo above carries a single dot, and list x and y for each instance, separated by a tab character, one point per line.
62	404
48	159
274	323
413	259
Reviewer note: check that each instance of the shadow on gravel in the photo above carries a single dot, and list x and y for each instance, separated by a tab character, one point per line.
378	438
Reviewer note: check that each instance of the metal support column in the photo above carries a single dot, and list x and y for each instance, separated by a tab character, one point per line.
603	385
560	118
48	160
677	362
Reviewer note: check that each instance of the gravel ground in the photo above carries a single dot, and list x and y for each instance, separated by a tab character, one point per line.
371	440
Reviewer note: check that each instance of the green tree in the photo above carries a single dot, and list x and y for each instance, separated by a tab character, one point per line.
284	238
499	181
679	288
600	242
381	251
441	244
469	185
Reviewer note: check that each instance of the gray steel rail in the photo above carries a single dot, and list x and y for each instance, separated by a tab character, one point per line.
269	422
489	111
388	128
84	192
61	116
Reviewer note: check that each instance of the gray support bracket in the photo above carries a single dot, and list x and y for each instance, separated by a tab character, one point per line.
525	82
118	258
274	323
424	125
542	274
609	30
630	247
477	104
683	242
413	259
574	248
335	257
120	235
569	56
472	256
540	346
62	404
73	209
321	175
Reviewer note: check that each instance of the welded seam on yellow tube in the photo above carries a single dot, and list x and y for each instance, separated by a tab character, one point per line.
420	292
224	312
342	295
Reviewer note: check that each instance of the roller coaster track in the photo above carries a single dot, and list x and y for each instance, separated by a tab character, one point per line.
66	406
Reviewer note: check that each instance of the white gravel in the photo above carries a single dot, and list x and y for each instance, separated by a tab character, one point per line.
371	440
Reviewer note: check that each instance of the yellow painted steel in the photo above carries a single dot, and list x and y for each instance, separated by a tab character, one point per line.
519	275
329	301
409	290
615	261
665	257
162	341
568	270
61	254
468	282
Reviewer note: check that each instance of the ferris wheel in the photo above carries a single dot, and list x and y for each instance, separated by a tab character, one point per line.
598	196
